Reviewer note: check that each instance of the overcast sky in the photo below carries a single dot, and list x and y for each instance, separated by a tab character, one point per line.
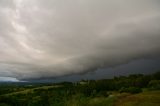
50	38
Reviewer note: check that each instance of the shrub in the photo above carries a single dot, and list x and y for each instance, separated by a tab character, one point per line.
102	94
154	85
132	90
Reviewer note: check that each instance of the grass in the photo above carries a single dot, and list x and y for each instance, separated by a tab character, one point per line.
80	100
102	101
29	90
148	98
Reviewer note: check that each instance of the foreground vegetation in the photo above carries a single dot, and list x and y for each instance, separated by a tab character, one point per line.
134	90
147	98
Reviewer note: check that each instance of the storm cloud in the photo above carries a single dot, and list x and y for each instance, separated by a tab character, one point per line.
49	38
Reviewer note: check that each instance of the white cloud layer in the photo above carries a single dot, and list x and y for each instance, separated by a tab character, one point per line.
47	38
8	79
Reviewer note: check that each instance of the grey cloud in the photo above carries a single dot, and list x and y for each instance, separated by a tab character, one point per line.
51	38
4	79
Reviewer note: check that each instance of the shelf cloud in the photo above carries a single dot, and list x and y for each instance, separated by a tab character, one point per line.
8	79
49	38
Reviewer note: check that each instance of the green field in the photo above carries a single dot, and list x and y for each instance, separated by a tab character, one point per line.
134	90
148	98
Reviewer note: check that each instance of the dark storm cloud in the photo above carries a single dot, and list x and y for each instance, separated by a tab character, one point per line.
51	38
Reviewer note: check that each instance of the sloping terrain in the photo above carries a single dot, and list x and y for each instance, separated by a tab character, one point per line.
149	98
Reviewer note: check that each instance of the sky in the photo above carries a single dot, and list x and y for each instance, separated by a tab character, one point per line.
42	39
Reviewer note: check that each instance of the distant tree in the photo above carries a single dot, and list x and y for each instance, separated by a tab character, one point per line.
132	90
156	76
154	84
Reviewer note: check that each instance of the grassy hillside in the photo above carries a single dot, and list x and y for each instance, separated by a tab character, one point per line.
134	90
147	98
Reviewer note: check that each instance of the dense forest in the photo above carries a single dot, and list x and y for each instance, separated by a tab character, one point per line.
104	92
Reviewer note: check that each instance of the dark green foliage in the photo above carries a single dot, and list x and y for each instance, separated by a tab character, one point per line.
132	90
59	94
154	85
102	94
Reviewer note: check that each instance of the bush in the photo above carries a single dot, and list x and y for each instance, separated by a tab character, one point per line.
102	94
154	85
132	90
4	104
